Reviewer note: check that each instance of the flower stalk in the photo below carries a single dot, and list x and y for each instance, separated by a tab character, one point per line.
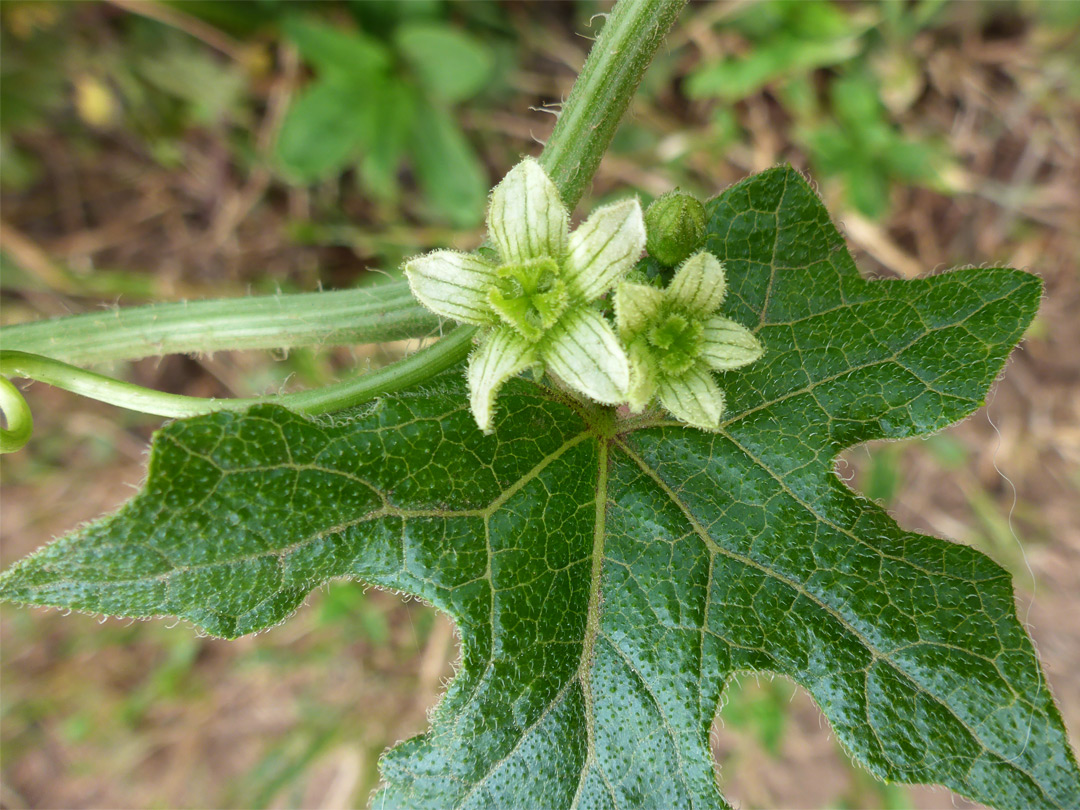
347	393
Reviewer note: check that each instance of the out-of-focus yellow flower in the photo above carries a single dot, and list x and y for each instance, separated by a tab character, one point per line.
95	102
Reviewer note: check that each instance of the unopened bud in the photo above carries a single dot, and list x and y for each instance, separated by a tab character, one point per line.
675	225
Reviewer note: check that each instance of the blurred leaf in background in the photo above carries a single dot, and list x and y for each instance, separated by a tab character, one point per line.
153	81
31	83
335	116
380	101
784	40
860	146
842	73
759	708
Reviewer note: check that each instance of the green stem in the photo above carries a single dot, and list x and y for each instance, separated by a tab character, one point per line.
369	315
603	90
626	45
416	368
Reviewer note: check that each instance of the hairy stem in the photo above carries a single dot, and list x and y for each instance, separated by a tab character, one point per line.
369	315
603	90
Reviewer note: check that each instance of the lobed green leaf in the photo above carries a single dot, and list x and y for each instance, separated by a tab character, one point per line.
609	577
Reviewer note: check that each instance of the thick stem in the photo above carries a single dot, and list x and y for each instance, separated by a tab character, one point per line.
369	315
603	90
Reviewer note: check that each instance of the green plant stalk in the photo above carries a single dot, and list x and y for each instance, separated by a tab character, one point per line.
369	315
416	368
20	422
615	66
603	90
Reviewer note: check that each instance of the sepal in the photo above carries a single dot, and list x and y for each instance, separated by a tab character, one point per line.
727	345
699	284
642	388
526	216
501	355
635	306
693	397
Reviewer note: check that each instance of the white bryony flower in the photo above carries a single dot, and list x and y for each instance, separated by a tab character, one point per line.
536	300
675	340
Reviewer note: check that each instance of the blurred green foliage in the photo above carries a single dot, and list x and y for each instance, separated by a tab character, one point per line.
153	86
386	80
843	72
859	145
31	85
378	102
759	709
785	41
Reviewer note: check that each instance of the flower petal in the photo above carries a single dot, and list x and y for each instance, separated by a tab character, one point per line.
643	376
699	284
693	397
453	284
604	248
635	306
526	215
583	351
499	357
726	345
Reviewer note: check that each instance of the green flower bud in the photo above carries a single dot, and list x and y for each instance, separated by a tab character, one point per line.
675	227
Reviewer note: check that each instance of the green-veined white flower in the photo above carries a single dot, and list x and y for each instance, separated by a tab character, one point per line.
536	300
675	341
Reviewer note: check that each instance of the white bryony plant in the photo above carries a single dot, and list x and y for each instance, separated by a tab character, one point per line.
536	303
675	340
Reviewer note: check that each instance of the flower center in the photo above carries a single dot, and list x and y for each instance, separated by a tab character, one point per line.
530	297
679	340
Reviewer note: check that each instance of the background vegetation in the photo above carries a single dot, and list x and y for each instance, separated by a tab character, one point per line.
153	151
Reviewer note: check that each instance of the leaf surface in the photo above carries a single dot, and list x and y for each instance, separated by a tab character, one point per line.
609	577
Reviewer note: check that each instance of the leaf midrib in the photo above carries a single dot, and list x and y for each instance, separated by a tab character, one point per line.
592	617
